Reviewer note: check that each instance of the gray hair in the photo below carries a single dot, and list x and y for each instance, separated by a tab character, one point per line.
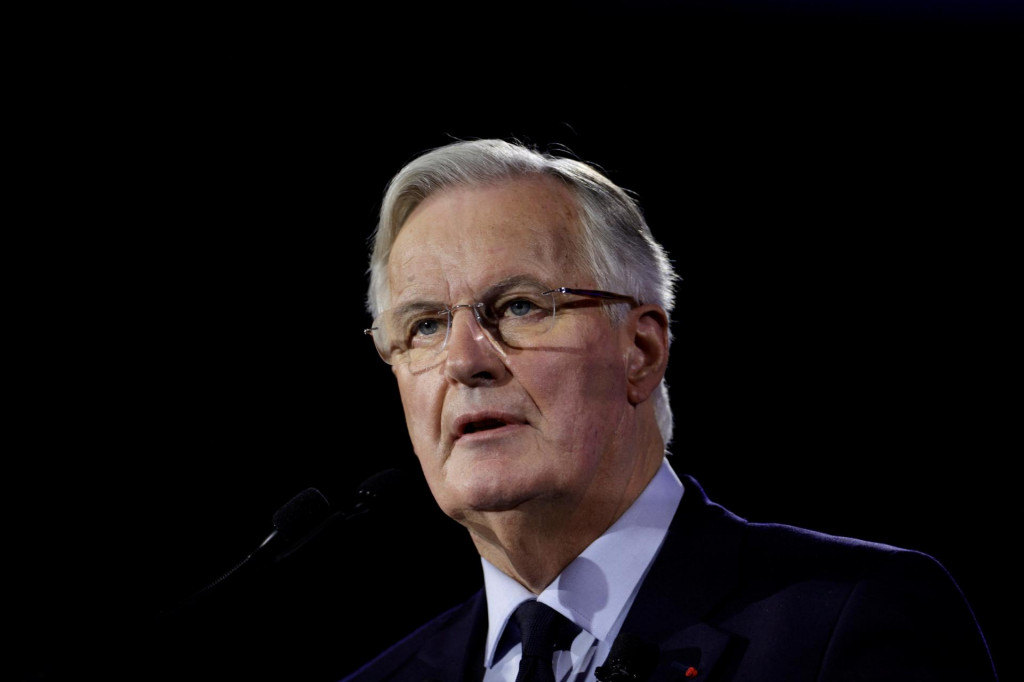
617	245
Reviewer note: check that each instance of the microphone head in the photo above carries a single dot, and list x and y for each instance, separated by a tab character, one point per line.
383	492
301	513
382	485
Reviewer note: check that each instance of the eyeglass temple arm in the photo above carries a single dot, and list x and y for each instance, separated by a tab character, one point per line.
595	293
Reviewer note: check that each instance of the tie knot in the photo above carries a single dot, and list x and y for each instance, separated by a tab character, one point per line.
542	628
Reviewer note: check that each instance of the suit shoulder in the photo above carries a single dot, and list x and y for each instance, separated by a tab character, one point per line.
865	593
778	539
816	554
784	551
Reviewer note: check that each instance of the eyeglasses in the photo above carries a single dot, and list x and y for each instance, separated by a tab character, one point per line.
416	333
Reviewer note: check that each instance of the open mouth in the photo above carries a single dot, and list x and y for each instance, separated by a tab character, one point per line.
483	425
483	422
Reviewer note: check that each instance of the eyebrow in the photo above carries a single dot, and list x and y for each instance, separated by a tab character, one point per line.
502	285
418	307
513	282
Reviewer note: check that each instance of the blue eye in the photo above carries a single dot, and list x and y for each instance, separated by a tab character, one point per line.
520	307
427	327
426	330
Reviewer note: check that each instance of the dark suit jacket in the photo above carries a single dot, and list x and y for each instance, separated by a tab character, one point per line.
735	600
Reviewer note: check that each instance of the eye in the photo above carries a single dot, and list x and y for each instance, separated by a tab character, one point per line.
426	330
520	307
426	327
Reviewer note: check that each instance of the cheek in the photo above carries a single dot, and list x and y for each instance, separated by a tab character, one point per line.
422	406
422	416
581	400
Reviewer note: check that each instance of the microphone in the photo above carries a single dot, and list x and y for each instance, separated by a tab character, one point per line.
308	514
631	659
299	515
381	488
295	519
376	492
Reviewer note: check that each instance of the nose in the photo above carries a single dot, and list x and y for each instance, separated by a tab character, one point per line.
473	355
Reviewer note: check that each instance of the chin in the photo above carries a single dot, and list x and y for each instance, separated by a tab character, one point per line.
491	489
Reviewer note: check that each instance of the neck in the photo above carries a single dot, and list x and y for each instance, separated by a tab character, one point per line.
534	542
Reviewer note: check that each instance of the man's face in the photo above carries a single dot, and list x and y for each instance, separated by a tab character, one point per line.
496	427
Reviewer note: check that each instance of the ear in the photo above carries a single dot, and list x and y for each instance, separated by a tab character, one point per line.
648	352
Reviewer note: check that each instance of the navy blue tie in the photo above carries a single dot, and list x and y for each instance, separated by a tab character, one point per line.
542	629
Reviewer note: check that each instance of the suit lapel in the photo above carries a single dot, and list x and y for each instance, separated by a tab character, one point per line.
454	653
696	568
691	654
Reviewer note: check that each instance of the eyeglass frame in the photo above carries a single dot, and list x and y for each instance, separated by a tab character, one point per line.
590	293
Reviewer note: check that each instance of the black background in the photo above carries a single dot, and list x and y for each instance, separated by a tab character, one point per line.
190	206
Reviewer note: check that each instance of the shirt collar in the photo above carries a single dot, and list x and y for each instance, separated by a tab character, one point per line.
599	584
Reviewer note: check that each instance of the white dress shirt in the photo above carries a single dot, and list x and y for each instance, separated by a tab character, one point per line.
595	591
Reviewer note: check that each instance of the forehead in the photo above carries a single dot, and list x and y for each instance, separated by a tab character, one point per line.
463	239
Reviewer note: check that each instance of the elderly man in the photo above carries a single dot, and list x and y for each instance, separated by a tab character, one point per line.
524	307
